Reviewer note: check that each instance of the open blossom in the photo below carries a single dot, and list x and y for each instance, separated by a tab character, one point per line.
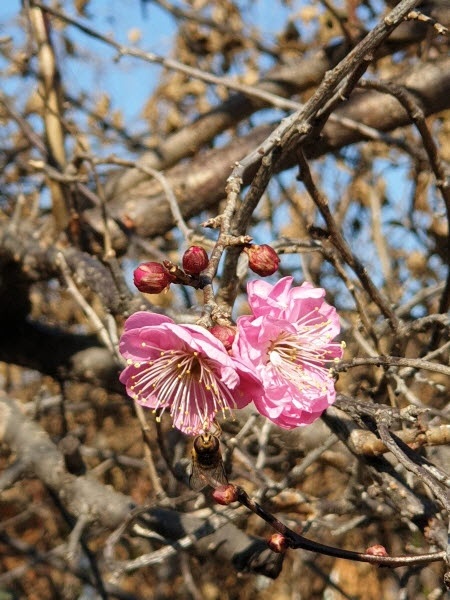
288	341
183	369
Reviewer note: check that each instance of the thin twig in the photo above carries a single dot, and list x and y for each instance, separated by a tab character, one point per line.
395	446
154	477
295	540
393	361
250	91
417	115
340	243
99	327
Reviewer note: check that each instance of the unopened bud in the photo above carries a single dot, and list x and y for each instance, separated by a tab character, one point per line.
225	494
278	543
224	333
262	260
151	278
377	550
195	260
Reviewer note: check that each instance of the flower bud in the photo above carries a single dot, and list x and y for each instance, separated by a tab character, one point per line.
278	543
151	278
377	550
225	494
224	333
195	260
262	260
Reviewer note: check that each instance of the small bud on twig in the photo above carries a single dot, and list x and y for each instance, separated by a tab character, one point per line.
225	494
151	278
195	260
377	550
262	260
277	543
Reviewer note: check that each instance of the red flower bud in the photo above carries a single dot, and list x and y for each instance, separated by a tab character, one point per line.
151	278
262	260
225	494
195	260
278	543
224	333
377	550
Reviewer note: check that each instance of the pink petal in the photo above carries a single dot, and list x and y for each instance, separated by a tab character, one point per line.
145	319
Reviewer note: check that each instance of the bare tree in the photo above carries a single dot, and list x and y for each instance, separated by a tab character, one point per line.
330	142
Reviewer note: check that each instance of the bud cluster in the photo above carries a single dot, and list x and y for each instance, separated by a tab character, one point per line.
155	277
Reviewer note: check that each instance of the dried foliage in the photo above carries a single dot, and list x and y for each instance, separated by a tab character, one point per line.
327	138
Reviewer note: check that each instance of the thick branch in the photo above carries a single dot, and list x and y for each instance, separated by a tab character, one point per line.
200	184
60	354
283	80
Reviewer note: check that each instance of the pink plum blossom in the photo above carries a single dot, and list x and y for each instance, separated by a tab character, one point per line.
288	341
183	369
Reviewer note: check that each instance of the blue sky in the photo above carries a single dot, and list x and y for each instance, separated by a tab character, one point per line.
129	82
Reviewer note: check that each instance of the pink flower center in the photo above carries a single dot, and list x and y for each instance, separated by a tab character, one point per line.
184	381
299	357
